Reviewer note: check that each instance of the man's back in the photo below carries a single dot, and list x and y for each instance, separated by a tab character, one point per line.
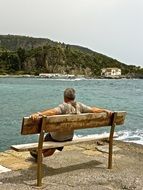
71	107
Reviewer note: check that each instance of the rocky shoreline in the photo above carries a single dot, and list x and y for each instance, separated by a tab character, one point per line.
58	76
77	167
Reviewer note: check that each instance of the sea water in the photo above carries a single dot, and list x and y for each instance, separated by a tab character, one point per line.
20	97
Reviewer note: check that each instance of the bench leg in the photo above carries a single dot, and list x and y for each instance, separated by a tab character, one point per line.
39	168
40	159
110	148
111	142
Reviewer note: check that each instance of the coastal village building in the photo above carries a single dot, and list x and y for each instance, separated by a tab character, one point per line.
111	72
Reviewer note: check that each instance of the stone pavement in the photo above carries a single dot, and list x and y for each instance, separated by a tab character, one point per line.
77	167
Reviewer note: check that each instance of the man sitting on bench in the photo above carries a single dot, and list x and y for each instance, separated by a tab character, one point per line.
69	106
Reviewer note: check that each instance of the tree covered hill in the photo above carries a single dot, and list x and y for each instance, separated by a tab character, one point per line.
27	55
13	42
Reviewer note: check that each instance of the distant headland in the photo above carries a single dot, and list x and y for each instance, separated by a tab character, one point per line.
22	55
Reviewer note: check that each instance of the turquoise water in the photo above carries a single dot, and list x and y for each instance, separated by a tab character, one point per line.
22	96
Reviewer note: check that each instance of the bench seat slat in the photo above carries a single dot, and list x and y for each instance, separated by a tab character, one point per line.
51	144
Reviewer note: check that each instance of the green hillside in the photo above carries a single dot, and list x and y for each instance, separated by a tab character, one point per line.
27	55
13	42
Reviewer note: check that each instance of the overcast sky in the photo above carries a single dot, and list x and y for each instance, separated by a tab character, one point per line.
111	27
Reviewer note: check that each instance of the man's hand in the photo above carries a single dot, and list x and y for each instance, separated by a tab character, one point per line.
109	113
35	115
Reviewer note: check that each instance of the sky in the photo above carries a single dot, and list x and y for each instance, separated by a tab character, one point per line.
110	27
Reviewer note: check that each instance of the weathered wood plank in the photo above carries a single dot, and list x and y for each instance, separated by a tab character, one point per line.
51	144
70	122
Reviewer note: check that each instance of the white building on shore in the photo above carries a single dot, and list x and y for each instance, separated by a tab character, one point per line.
111	72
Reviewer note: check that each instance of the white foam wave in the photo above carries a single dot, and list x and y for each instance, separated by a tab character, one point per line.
62	79
89	136
126	136
131	136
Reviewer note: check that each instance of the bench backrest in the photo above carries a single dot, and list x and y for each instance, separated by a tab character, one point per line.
70	122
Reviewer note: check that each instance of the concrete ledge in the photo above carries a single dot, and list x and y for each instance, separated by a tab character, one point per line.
77	167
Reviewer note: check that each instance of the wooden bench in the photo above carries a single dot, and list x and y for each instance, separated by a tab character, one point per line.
65	123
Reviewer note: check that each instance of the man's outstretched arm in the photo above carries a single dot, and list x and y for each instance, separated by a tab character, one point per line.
49	112
100	110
